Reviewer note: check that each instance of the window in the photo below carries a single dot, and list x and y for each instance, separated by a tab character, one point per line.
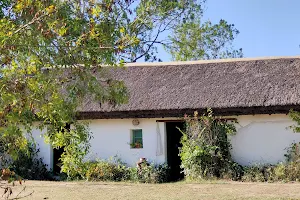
136	138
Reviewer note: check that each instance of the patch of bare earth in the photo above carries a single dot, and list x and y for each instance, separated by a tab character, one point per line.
205	191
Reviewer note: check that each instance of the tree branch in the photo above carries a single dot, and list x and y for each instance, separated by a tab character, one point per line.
31	22
149	47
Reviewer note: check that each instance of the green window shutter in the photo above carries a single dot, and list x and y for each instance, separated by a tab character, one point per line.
137	138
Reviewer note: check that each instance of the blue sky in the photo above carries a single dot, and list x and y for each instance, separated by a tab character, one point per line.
267	27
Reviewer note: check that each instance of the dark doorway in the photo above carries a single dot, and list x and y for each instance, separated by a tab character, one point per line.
57	152
56	160
173	143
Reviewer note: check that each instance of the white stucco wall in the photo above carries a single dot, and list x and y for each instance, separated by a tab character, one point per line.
262	139
45	148
112	138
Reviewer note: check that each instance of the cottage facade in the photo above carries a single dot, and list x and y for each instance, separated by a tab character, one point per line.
258	93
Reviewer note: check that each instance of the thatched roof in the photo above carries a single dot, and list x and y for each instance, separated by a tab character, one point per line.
229	87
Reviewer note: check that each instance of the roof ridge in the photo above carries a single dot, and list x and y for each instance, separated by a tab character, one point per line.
144	64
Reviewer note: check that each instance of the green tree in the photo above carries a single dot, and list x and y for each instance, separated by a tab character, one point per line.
158	18
193	40
47	49
51	53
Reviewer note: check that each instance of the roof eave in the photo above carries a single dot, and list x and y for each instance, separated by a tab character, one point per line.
180	112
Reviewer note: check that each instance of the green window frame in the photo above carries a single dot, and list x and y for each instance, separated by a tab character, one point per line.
136	138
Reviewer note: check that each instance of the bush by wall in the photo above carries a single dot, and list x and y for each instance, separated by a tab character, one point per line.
150	173
205	151
115	170
205	154
284	172
288	171
105	171
29	166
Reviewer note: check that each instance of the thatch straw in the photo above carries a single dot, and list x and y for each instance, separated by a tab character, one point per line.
243	86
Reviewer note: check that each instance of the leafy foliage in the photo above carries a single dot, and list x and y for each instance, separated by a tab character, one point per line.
293	153
288	171
29	166
158	18
206	154
8	180
205	151
285	172
51	53
194	40
295	116
115	170
47	51
150	173
104	170
256	174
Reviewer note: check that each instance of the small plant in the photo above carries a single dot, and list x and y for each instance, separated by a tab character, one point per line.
150	173
233	171
254	174
279	172
136	145
293	153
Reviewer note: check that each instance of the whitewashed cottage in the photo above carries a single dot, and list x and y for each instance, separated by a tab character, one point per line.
257	92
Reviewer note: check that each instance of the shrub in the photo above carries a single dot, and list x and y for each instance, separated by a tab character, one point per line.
289	171
150	173
163	173
115	170
106	171
254	174
205	151
292	171
233	171
278	172
29	166
272	173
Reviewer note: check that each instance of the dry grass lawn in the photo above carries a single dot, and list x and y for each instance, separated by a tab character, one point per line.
180	190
